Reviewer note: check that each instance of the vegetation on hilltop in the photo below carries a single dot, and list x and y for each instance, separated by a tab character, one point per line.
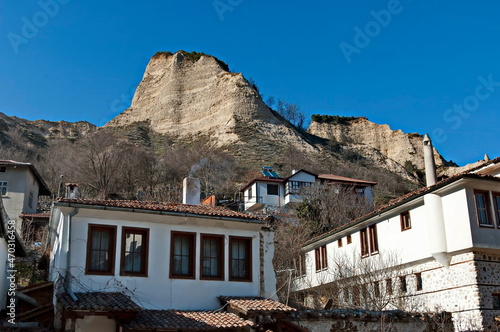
334	119
193	57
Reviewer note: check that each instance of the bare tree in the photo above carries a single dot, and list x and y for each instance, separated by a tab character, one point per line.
327	206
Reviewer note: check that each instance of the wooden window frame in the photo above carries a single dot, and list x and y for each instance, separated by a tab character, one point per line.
249	271
321	258
405	220
300	265
365	242
487	203
112	249
220	256
339	243
349	239
192	266
144	251
372	231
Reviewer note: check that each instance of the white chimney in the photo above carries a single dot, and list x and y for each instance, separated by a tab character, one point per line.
71	190
191	191
294	171
430	164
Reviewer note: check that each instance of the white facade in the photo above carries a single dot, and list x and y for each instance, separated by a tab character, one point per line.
21	186
272	194
446	258
158	289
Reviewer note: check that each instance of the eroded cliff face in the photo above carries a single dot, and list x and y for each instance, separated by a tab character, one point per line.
185	97
393	144
39	131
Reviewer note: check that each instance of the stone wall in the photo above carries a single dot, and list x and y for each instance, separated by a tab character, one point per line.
341	320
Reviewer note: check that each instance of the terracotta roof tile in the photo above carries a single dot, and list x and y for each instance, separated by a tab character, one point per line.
256	304
215	211
186	321
334	177
98	301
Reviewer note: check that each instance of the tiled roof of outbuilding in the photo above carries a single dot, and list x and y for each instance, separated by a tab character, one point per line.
175	320
256	304
98	301
204	210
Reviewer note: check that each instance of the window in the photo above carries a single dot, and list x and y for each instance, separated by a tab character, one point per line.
3	169
364	242
419	281
496	199
212	257
182	255
349	239
356	296
292	187
3	187
321	258
134	255
483	208
339	242
388	286
376	289
369	241
496	300
272	189
250	193
30	199
300	265
373	239
101	244
402	284
240	258
405	220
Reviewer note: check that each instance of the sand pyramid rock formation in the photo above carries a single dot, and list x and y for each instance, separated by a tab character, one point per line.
192	94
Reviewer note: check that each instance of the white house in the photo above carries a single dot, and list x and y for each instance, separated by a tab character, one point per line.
156	260
436	248
271	192
20	187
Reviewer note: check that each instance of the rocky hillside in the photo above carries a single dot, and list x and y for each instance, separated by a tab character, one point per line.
364	135
14	130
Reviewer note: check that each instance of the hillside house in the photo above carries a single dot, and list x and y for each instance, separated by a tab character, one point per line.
133	266
272	192
436	248
20	187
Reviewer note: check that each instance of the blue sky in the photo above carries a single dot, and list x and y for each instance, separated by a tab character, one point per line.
417	65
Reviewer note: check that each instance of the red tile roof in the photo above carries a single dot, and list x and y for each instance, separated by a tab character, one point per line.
256	304
338	178
175	320
213	211
98	301
405	198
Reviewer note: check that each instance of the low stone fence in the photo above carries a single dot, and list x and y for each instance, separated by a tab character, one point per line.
346	320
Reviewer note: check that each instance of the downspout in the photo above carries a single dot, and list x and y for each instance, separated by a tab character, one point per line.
67	283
